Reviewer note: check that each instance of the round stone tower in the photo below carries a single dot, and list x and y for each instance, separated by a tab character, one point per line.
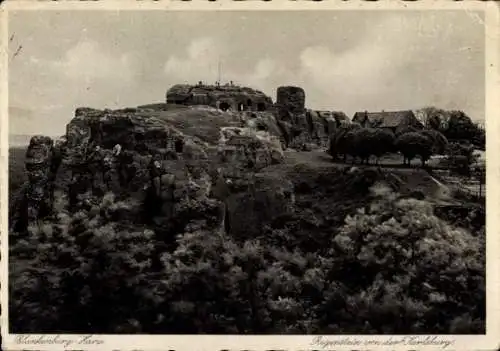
290	100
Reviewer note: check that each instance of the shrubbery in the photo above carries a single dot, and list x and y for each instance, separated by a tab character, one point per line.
391	261
460	157
363	143
455	125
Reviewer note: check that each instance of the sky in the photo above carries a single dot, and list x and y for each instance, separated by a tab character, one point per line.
345	60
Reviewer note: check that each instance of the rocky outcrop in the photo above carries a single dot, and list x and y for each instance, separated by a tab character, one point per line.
288	119
36	196
290	100
322	124
159	176
244	148
266	199
195	158
40	169
290	106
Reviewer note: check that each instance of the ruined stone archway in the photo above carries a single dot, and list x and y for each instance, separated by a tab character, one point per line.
241	106
224	106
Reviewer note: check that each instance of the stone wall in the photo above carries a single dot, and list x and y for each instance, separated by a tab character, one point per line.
224	97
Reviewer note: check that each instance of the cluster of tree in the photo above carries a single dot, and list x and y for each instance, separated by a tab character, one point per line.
462	160
362	143
391	268
455	126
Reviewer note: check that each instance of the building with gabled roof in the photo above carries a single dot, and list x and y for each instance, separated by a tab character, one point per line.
393	120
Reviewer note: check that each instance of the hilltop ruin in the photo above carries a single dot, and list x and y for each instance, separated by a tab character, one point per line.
299	127
223	97
166	156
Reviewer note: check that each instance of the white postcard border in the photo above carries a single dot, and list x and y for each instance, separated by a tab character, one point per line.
489	341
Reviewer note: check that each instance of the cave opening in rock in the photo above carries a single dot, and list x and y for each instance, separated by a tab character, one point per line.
224	106
261	106
249	104
241	107
179	145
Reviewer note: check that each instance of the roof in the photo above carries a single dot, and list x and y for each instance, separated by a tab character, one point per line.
388	119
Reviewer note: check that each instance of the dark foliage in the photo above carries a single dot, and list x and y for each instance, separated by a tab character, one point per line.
455	125
437	139
460	157
414	144
361	143
353	257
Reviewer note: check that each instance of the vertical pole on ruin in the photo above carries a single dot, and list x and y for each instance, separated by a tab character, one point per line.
219	72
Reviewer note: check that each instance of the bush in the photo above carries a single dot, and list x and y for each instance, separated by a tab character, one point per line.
437	139
413	144
76	265
392	260
382	142
362	143
460	157
340	140
413	267
455	125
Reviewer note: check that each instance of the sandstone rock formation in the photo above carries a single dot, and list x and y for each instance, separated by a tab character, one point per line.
159	175
297	127
40	170
290	105
290	100
245	148
191	162
322	124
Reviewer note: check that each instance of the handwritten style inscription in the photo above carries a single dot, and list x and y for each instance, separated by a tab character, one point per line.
318	341
414	341
58	340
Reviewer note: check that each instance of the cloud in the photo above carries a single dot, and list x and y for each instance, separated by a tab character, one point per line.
201	60
199	63
368	67
397	64
88	61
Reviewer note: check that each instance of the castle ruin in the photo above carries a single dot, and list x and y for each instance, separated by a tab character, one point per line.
224	97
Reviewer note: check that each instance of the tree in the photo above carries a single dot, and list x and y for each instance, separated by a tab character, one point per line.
438	140
339	140
413	144
460	157
381	142
356	141
479	139
436	118
406	129
360	142
76	264
454	125
407	264
460	127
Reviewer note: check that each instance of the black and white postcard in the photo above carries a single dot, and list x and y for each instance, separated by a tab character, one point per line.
250	175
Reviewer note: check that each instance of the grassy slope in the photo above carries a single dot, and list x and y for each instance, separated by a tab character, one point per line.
409	179
204	123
